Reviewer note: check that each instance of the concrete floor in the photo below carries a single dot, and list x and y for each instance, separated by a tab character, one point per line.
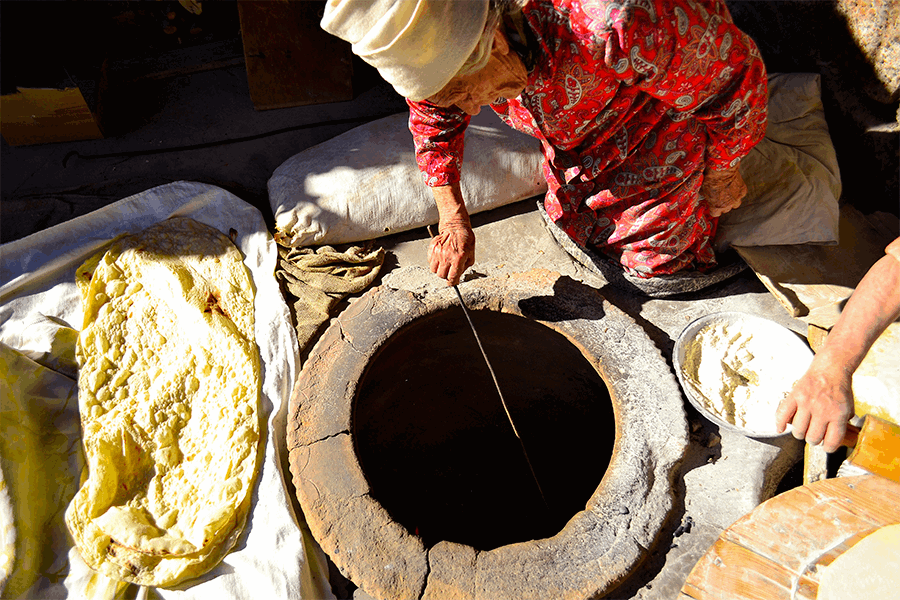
204	128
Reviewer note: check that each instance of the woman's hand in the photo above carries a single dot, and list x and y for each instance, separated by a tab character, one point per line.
819	406
452	251
723	190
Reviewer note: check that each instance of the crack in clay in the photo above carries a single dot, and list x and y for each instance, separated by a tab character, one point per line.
427	573
346	339
327	437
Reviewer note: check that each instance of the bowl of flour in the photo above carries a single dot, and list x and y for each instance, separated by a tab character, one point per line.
736	368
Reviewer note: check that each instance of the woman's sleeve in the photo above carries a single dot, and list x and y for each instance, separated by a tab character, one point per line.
690	55
438	135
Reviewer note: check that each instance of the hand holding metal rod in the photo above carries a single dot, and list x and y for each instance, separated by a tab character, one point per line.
497	386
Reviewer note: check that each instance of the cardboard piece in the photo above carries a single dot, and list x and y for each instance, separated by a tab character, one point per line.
41	116
812	281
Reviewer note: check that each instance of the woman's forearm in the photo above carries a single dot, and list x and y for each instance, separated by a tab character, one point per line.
450	204
452	250
873	306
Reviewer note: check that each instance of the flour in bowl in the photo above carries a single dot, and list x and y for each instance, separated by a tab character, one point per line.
740	374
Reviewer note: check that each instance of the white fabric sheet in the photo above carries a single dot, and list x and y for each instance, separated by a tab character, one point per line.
275	557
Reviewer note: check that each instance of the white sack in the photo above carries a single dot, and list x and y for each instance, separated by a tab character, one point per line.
365	183
792	176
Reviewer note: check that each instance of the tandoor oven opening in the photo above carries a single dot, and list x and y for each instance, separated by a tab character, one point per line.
438	450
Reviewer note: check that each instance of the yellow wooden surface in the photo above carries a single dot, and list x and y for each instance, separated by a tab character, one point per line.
776	552
38	116
878	448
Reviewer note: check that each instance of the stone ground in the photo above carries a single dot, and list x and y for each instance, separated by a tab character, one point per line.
203	127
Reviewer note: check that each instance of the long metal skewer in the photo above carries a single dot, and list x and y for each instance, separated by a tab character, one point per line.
497	386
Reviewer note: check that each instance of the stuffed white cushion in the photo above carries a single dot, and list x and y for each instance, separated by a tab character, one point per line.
792	176
365	183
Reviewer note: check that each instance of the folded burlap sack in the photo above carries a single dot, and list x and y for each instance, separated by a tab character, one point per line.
316	279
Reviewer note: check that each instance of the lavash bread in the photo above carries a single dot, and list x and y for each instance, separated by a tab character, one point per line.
7	534
869	569
169	385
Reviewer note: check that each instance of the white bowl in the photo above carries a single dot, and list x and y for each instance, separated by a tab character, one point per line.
790	350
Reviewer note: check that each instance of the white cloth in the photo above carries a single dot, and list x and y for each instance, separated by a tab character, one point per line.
792	175
416	45
275	557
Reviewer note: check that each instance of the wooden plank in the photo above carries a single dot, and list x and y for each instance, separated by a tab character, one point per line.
807	589
809	280
777	551
878	448
175	63
815	463
738	572
797	530
39	116
291	60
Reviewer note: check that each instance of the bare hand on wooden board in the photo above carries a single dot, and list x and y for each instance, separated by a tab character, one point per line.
723	190
821	402
452	251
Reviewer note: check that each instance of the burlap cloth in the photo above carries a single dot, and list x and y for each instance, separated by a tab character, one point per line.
315	280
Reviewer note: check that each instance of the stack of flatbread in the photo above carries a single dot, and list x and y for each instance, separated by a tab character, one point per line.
169	385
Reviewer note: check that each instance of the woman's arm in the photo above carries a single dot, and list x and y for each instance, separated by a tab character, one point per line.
438	135
821	402
452	251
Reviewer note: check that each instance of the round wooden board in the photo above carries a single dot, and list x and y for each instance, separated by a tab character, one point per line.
775	552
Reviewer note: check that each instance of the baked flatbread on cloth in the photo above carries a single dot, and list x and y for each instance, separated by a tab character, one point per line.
169	386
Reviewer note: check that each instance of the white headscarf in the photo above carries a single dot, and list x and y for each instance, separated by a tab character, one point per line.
416	45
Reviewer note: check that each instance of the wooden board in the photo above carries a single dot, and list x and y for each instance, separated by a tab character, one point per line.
811	281
40	116
291	60
777	551
176	63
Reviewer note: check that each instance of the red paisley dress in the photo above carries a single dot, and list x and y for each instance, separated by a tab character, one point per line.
631	101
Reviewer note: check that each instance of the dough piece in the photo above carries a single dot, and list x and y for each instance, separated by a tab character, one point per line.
869	569
168	395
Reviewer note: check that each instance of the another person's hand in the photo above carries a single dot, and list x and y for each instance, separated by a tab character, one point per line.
821	402
819	406
452	251
723	190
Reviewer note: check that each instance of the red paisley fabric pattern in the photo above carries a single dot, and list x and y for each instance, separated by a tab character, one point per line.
632	101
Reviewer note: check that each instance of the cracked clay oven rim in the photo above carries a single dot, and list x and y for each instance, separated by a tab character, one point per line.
598	547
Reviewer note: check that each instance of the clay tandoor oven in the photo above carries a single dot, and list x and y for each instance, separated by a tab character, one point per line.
409	474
